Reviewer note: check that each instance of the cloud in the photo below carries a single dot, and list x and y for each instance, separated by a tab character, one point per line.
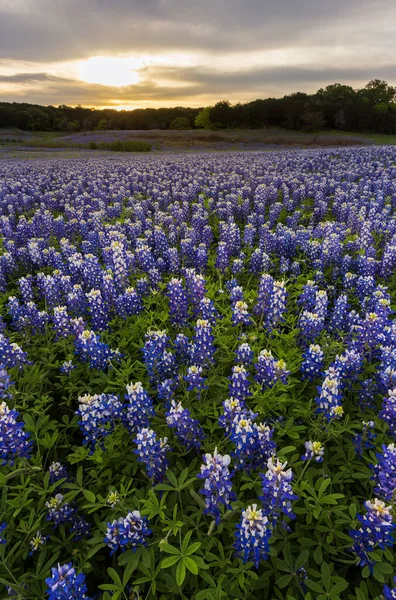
47	30
192	86
201	51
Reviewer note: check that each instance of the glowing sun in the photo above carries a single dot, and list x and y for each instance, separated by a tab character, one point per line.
109	70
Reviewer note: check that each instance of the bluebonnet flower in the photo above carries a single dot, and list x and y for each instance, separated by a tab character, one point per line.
98	415
67	367
313	450
127	532
366	394
277	490
217	487
329	399
92	350
182	348
5	384
62	322
348	365
310	324
375	529
167	367
263	304
281	372
119	261
113	498
80	528
57	471
308	295
269	371
167	388
143	286
178	303
202	348
278	305
151	452
14	441
252	536
65	584
138	409
388	411
129	303
196	290
313	363
154	346
11	354
338	318
385	473
232	408
265	369
208	311
98	310
253	443
222	257
239	383
240	313
194	379
388	593
365	438
244	354
187	430
3	526
37	542
59	511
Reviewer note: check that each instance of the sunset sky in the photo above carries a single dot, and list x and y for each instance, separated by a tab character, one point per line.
138	53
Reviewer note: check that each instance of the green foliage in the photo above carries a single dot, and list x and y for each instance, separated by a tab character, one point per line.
180	123
202	120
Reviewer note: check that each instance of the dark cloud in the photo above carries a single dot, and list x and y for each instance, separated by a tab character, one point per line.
349	41
48	30
194	85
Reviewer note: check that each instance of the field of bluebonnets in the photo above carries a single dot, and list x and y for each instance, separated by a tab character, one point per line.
198	376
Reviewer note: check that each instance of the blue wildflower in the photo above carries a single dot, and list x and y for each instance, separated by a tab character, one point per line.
252	536
217	487
65	584
127	532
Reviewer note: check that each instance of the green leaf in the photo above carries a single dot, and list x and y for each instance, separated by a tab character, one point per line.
165	547
384	568
114	576
191	565
180	573
340	586
90	496
326	577
169	561
312	585
192	549
283	581
301	559
185	541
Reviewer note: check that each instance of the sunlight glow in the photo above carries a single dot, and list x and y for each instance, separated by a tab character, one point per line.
109	70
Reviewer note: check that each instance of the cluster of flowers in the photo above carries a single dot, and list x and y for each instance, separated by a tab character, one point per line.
108	236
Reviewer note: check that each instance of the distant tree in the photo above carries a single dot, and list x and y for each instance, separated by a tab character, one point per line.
221	114
180	123
312	120
102	125
60	124
378	91
202	120
73	126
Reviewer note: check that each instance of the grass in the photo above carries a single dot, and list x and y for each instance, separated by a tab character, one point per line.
115	146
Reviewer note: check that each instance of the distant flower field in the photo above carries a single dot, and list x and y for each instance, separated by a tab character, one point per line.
198	376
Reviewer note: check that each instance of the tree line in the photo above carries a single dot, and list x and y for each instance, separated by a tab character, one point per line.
337	106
